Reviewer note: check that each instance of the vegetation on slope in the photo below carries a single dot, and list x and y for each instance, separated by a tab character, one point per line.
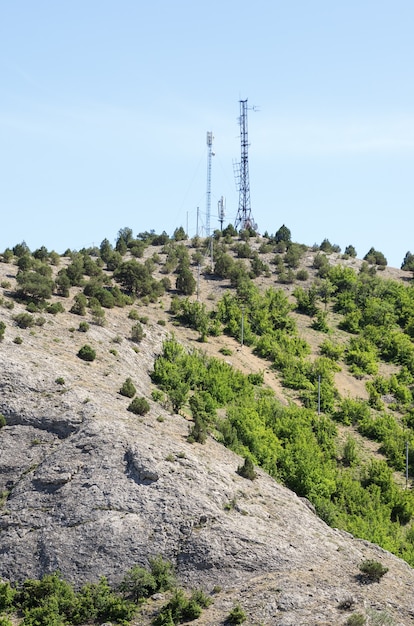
365	324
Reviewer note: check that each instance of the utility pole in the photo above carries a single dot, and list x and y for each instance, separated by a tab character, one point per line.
319	394
406	464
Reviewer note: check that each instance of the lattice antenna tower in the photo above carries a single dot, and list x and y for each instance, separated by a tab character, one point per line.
210	154
244	218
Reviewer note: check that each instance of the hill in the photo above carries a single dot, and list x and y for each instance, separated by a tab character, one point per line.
89	488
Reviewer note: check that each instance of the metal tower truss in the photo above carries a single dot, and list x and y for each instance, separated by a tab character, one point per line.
210	153
244	218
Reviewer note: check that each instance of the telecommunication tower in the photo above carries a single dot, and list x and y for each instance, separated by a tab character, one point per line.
210	153
244	218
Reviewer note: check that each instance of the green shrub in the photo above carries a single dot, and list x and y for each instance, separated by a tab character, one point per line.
157	395
226	351
372	571
133	314
138	583
60	381
137	332
5	622
331	349
83	327
2	330
2	423
356	619
163	573
128	389
7	595
247	469
54	308
18	340
236	615
182	609
87	353
24	320
302	274
139	406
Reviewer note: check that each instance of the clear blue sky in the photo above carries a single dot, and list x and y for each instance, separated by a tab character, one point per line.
105	105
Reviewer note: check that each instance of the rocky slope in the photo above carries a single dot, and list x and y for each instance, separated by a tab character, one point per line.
91	489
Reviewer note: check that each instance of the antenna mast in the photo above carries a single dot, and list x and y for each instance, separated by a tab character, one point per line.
244	217
208	194
221	211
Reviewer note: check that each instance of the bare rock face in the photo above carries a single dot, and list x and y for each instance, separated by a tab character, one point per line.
90	489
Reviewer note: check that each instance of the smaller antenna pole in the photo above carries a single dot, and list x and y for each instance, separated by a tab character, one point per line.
406	464
319	394
198	281
197	221
221	208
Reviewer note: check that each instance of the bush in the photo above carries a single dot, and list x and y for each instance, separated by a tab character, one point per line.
24	320
372	571
87	353
236	615
60	381
55	308
79	304
133	314
7	594
356	619
137	332
182	609
302	274
138	583
2	423
128	390
83	327
2	330
163	573
139	406
247	469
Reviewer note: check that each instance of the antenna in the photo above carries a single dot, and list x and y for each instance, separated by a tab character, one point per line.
244	218
221	206
208	194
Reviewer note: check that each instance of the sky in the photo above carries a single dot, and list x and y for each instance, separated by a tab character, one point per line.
105	106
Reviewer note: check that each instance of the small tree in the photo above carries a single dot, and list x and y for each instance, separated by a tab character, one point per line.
137	332
185	282
138	583
24	320
236	615
128	389
350	251
179	234
247	470
87	353
139	406
283	234
372	571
